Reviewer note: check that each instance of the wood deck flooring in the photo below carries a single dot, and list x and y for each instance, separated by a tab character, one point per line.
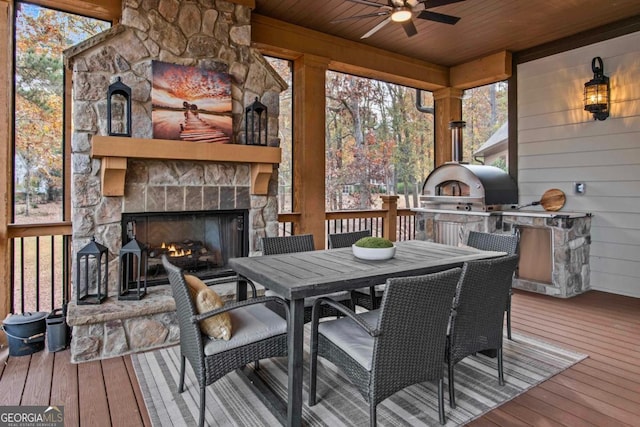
602	390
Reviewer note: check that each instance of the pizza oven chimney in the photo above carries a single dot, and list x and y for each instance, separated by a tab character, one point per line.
456	140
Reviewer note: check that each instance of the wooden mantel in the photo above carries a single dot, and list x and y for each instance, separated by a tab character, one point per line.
115	150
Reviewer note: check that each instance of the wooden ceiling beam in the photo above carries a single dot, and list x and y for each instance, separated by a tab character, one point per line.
273	36
482	71
107	10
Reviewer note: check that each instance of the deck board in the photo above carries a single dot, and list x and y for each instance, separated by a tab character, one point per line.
602	390
529	416
146	420
570	407
619	417
13	380
123	406
37	387
64	387
555	413
92	396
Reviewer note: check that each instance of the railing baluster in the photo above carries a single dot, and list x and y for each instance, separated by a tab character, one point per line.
22	274
53	272
66	270
37	284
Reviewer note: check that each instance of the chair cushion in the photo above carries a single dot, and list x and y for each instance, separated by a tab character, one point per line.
379	290
308	302
354	340
205	300
250	324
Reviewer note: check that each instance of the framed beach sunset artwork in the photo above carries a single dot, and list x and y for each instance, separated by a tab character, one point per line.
190	103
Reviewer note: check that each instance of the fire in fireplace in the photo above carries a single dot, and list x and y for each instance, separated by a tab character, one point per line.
200	242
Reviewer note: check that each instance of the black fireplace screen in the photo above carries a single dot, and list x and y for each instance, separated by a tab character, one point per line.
200	242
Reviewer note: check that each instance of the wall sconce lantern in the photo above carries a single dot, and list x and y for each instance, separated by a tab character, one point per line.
121	93
92	273
596	91
132	275
256	124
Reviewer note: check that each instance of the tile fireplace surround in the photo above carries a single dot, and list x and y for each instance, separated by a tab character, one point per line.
112	175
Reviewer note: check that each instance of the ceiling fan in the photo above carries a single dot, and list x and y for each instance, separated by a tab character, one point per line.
402	12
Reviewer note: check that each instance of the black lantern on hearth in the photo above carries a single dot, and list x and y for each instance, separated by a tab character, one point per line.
132	274
256	123
92	273
119	98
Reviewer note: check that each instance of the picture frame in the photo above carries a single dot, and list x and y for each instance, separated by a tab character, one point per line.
191	104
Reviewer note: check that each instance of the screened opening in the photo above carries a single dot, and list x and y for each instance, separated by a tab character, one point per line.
486	137
377	142
41	35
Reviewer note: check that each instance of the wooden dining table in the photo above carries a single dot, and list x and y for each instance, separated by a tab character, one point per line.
296	276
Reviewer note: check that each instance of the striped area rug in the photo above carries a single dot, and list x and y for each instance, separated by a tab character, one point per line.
233	401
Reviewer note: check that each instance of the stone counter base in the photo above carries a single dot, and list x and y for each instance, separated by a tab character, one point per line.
115	328
570	240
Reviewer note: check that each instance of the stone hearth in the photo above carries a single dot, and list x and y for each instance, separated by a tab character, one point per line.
212	34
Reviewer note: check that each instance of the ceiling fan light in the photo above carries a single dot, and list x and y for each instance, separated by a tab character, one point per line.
401	14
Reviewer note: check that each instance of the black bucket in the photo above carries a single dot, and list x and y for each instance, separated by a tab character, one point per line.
25	332
56	331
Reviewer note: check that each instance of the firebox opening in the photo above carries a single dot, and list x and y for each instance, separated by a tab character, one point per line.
453	188
200	242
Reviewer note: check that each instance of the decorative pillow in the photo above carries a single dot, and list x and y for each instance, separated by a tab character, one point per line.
205	300
195	285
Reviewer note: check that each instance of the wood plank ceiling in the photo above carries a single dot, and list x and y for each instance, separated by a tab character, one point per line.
485	27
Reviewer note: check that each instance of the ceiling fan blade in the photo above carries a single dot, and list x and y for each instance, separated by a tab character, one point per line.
438	17
428	4
367	2
376	28
368	15
409	28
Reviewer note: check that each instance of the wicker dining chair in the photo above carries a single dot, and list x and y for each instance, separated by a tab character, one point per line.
370	297
501	243
300	243
477	318
258	333
402	343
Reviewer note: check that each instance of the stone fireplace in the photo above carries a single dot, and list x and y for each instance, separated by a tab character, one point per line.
116	178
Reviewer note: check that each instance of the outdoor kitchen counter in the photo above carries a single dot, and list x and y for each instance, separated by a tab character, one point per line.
554	246
529	213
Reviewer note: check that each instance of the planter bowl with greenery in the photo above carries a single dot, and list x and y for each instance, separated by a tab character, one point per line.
374	248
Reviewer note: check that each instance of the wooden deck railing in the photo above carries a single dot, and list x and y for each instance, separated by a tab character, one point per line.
41	265
391	222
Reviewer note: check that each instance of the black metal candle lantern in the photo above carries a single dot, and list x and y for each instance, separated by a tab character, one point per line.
256	124
132	277
122	93
92	273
